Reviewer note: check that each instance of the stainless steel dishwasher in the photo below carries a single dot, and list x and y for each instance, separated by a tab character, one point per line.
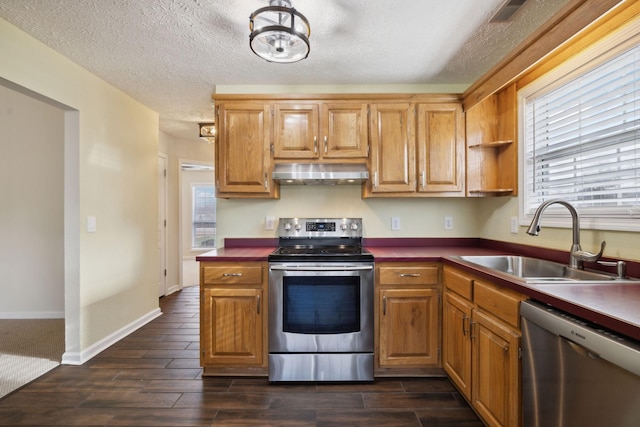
576	374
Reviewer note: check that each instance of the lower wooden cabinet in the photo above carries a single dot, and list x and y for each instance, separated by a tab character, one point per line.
495	394
481	345
456	342
233	333
408	318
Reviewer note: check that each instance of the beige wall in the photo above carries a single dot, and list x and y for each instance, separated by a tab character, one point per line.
177	150
32	208
111	146
418	217
494	224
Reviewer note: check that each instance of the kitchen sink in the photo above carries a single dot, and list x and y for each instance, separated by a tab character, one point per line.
539	271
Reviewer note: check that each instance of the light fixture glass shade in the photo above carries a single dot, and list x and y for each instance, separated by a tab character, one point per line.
207	131
279	33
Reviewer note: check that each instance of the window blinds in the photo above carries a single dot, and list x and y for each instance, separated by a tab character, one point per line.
582	141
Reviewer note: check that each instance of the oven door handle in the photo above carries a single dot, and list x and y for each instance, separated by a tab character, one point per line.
323	268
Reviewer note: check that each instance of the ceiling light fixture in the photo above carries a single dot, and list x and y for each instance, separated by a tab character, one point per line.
279	33
208	131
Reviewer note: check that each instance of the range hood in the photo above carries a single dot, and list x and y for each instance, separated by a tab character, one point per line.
320	174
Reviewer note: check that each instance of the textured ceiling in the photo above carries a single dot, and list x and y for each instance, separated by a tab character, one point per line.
171	54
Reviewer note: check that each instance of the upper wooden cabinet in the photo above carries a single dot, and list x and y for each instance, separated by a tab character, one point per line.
441	149
413	144
416	150
492	146
327	130
393	146
243	158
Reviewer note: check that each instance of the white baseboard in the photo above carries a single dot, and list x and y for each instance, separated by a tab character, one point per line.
78	358
172	289
32	315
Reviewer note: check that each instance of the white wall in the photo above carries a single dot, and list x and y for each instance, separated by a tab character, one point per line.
31	207
111	147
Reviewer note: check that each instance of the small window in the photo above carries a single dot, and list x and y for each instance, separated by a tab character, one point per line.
203	216
582	140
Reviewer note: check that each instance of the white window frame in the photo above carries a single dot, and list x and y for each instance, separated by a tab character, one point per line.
194	186
617	42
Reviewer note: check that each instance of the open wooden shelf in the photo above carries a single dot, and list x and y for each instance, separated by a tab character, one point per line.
492	191
493	144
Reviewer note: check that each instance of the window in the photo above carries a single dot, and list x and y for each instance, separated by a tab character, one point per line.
581	138
203	216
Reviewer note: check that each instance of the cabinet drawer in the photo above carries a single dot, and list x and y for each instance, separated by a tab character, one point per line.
458	282
226	274
500	302
409	275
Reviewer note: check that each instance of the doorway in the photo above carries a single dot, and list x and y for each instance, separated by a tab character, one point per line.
197	217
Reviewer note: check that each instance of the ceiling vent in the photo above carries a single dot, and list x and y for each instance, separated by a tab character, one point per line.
507	10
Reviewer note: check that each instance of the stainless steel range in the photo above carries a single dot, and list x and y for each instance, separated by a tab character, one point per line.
320	302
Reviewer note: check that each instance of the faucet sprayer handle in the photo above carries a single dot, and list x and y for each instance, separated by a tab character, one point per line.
588	256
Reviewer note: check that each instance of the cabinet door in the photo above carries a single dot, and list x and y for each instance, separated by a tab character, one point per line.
231	329
441	148
295	133
344	131
456	341
243	155
409	327
393	163
496	371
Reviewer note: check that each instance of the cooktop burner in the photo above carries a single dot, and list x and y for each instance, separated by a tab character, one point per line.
332	239
320	250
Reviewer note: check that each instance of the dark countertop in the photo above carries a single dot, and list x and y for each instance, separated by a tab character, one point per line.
232	254
614	306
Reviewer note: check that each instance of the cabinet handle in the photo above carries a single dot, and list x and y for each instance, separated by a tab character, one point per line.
409	274
466	320
471	328
232	274
258	303
326	147
384	305
315	145
266	183
375	179
423	179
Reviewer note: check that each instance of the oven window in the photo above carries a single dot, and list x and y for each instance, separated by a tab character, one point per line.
321	305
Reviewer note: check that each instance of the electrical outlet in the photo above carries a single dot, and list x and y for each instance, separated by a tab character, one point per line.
395	223
514	225
448	223
269	223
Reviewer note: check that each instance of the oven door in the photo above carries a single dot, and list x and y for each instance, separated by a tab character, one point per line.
320	307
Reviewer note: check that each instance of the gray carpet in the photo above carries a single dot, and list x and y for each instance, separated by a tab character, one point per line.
28	349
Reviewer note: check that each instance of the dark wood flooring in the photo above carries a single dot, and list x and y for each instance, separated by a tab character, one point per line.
153	378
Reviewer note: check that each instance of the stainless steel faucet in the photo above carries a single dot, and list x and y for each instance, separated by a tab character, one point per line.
577	256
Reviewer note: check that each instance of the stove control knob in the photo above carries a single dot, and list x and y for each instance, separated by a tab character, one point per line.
343	227
354	226
287	226
298	227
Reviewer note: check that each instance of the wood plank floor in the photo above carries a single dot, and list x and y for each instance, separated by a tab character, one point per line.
153	378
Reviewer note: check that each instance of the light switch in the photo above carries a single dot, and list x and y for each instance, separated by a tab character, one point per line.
91	224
